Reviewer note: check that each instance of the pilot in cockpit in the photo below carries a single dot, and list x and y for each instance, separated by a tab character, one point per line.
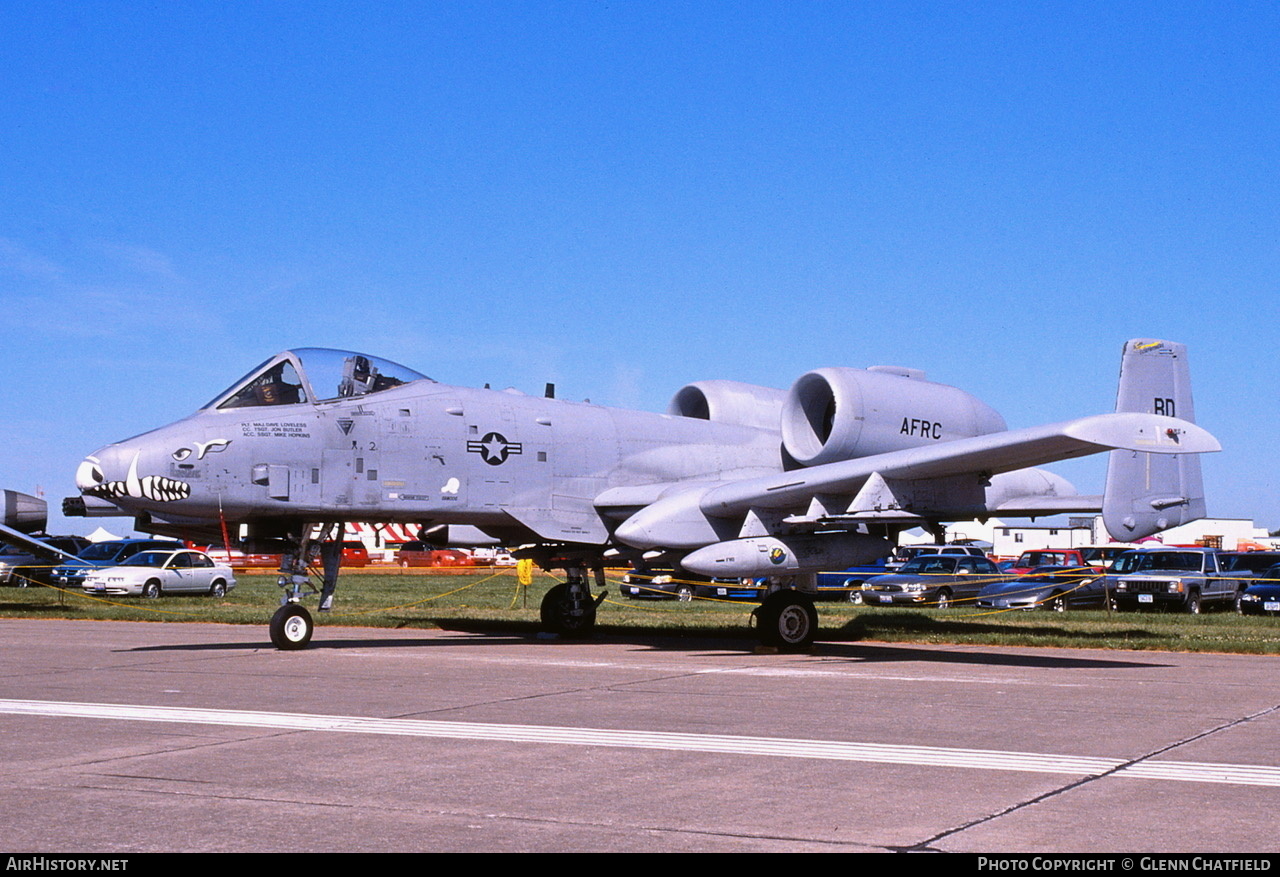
279	386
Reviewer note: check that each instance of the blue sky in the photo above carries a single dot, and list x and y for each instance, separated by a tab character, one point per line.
625	197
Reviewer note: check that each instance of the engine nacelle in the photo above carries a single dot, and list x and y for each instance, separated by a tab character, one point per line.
23	512
835	414
730	402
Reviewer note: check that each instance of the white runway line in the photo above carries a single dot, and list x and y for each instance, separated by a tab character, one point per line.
977	759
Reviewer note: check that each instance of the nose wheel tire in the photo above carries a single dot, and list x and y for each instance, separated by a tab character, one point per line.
291	627
787	620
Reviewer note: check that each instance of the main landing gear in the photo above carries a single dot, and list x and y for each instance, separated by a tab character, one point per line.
569	609
787	620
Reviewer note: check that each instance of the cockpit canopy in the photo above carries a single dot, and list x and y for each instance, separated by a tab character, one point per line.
313	374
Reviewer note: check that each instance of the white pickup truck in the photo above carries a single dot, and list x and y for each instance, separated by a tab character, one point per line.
1179	578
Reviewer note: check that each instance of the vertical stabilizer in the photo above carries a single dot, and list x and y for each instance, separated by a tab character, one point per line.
1147	493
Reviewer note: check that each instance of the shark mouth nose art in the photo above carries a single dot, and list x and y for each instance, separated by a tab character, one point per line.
158	488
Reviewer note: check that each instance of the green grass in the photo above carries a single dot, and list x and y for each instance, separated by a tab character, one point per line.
483	601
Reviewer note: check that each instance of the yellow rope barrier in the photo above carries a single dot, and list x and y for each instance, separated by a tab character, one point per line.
415	602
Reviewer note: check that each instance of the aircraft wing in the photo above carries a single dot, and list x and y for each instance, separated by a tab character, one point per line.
1036	506
994	453
705	514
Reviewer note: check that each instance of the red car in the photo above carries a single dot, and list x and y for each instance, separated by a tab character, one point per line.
1068	557
354	554
422	554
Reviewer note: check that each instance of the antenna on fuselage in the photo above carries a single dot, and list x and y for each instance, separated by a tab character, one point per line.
550	391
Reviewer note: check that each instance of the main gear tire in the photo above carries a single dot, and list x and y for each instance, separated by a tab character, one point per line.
562	614
787	620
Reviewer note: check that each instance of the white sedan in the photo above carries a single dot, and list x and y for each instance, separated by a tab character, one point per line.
152	573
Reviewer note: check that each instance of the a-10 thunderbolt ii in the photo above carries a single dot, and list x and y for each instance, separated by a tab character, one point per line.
734	480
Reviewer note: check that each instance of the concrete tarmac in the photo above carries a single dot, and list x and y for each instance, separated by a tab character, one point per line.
131	737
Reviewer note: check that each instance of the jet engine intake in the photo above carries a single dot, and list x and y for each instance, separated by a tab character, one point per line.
833	414
729	402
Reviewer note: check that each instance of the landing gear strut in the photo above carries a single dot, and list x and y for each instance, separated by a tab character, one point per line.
291	627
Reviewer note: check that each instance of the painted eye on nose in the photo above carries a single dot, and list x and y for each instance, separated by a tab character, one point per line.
89	474
181	454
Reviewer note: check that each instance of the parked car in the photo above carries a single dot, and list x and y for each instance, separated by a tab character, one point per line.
684	586
1256	562
19	567
1174	578
152	573
847	584
238	559
904	553
423	554
932	580
1105	555
1262	598
1048	587
104	554
654	585
354	554
260	556
1030	560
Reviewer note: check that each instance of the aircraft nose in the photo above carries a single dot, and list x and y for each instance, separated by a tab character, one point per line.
119	472
89	473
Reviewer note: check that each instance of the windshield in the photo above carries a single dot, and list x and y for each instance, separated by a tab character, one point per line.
314	374
1143	560
278	385
930	564
148	558
1042	558
101	551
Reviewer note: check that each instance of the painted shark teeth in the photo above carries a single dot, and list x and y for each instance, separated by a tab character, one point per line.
163	489
153	487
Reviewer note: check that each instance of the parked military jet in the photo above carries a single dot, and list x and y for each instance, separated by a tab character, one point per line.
734	480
